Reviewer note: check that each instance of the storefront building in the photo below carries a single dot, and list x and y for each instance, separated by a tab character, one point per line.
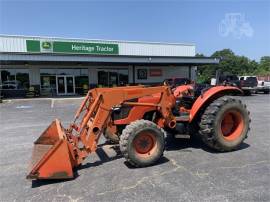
57	66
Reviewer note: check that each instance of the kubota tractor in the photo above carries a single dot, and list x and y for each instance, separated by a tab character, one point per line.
138	117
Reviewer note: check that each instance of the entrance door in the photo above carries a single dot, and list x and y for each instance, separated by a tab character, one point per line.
65	85
61	85
70	85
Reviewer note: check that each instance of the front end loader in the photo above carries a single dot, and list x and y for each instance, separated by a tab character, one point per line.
58	150
138	118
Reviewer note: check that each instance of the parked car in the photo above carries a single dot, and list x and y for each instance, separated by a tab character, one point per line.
12	88
263	86
248	84
12	84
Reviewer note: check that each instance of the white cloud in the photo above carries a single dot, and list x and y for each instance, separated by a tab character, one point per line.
235	24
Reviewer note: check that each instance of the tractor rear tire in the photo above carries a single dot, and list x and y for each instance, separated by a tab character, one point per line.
142	143
224	124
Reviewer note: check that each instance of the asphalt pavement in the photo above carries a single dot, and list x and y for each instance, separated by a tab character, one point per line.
187	172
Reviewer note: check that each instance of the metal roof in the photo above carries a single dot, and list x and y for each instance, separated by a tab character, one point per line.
105	40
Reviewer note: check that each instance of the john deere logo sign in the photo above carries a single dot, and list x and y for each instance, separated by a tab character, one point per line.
72	47
46	45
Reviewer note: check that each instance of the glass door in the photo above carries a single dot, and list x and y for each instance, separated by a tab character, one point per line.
70	87
65	85
61	85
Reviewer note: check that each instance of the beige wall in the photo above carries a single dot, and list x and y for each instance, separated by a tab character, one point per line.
167	72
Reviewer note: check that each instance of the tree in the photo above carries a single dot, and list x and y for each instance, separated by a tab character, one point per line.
264	66
233	64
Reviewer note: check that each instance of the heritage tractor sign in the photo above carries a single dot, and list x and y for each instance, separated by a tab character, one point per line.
37	46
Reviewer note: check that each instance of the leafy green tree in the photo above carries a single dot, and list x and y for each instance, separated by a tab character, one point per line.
264	66
233	64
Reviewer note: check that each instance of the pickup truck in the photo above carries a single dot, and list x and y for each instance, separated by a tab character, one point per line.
248	84
263	86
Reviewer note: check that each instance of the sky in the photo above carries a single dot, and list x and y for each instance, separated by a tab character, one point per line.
242	26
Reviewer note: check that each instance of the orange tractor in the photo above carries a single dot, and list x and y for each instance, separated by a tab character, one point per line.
139	118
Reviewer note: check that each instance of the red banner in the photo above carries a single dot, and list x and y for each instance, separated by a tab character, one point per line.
155	72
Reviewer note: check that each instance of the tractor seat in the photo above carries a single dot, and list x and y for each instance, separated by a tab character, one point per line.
187	101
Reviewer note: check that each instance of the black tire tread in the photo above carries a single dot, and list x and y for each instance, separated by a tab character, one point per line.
134	126
207	122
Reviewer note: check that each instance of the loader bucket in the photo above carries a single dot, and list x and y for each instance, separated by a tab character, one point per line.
51	157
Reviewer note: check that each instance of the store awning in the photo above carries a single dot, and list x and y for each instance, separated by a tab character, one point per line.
11	58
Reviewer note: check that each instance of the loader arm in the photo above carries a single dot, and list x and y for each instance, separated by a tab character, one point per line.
57	151
99	102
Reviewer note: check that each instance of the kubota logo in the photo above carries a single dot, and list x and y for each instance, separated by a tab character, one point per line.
46	45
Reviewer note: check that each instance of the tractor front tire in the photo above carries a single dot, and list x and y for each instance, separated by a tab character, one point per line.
224	124
142	143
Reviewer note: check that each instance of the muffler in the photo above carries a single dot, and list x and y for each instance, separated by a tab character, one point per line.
52	156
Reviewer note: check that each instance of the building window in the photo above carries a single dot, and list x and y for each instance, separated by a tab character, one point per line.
81	80
48	81
112	77
66	71
123	77
16	79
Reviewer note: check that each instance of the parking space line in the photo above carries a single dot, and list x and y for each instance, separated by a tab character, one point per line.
52	103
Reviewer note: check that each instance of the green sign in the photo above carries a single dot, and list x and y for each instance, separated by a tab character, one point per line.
86	48
72	47
32	46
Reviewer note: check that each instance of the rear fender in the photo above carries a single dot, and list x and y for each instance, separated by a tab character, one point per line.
210	95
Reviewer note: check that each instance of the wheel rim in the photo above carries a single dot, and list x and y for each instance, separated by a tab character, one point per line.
232	125
145	144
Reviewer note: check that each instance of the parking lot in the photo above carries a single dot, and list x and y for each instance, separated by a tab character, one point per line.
188	171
